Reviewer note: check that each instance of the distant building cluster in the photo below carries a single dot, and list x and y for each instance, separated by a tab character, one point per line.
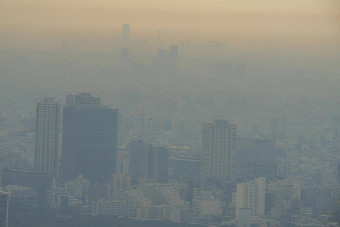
83	172
91	159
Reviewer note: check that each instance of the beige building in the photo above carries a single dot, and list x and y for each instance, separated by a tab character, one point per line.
251	195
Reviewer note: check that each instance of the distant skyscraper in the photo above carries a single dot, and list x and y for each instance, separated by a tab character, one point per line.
172	57
47	138
148	161
126	32
218	152
89	139
160	59
125	57
3	209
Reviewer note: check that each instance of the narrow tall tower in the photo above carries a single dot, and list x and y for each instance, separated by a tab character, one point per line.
217	152
126	33
46	136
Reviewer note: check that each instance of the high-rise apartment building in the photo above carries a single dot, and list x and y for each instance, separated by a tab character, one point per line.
47	138
89	139
217	152
3	209
148	161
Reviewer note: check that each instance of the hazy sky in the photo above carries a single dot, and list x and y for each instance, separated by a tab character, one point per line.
294	22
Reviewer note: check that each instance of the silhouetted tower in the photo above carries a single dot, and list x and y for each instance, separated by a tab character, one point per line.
46	137
173	57
89	139
126	33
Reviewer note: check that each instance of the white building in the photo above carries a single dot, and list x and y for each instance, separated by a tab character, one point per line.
251	195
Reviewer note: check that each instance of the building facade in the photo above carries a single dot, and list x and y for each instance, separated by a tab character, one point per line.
47	138
251	195
89	139
217	152
148	161
255	158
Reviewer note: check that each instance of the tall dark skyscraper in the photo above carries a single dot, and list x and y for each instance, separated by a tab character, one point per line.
148	161
47	138
89	139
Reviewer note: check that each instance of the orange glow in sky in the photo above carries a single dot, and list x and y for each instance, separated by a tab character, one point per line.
290	21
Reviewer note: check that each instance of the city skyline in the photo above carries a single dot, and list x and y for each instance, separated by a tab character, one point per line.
183	113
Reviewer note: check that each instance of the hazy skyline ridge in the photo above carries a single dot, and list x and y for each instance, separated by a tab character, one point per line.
301	22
